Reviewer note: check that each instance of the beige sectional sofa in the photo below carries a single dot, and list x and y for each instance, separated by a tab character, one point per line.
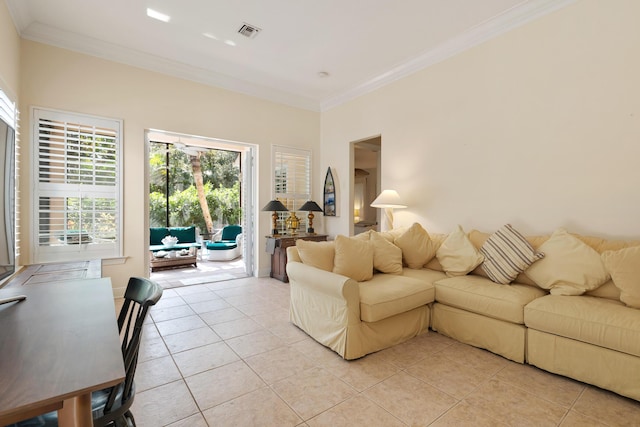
593	336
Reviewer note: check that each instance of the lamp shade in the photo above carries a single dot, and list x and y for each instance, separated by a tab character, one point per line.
276	206
388	199
310	206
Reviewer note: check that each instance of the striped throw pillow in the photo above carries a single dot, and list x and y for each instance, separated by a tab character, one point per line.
507	254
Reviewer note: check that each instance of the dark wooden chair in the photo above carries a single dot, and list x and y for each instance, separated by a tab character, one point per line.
111	406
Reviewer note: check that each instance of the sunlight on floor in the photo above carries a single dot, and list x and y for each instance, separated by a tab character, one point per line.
205	272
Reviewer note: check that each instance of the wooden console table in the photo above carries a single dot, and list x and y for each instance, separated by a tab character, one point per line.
277	247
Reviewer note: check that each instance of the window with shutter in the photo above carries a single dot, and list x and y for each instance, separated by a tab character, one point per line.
291	180
78	186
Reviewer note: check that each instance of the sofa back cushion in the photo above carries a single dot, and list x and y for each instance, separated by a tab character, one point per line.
156	234
316	254
184	234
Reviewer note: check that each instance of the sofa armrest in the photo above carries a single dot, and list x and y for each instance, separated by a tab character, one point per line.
325	282
326	306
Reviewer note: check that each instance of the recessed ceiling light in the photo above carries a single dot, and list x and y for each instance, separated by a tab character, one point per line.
157	15
210	36
230	42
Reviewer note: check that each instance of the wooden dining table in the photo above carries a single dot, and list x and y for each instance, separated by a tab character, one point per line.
56	347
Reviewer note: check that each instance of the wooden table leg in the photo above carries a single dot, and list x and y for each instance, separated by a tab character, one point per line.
76	412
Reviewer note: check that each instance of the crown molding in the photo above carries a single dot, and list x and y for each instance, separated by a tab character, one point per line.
67	40
506	21
19	11
517	16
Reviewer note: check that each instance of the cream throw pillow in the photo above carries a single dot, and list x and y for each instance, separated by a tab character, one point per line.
569	267
316	254
624	267
387	257
353	258
416	245
366	236
457	255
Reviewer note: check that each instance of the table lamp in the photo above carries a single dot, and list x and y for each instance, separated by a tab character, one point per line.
275	206
311	207
388	199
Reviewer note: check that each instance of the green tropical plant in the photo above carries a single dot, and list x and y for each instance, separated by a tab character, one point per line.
220	187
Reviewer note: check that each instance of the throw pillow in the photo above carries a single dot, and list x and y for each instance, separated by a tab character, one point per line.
506	254
387	257
316	254
353	258
624	267
417	248
457	255
392	235
366	236
570	267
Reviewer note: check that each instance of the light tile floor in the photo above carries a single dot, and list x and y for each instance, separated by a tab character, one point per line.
225	354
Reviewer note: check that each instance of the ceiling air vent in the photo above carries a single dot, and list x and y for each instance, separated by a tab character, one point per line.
249	30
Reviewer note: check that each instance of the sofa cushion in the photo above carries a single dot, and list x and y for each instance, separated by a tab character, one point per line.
221	246
353	258
598	321
457	255
316	254
506	254
156	234
624	268
482	296
387	257
424	274
184	234
388	294
416	245
570	267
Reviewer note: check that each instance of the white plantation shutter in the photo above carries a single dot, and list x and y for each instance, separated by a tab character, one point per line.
7	110
292	179
78	188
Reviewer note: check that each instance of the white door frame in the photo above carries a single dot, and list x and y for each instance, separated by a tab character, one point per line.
249	183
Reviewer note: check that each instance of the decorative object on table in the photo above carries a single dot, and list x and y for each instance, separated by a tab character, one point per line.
275	206
292	223
161	254
311	207
388	200
170	241
329	194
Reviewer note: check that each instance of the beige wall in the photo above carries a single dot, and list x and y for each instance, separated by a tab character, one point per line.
539	127
9	54
65	80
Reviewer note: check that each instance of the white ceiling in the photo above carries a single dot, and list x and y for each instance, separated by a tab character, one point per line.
362	44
